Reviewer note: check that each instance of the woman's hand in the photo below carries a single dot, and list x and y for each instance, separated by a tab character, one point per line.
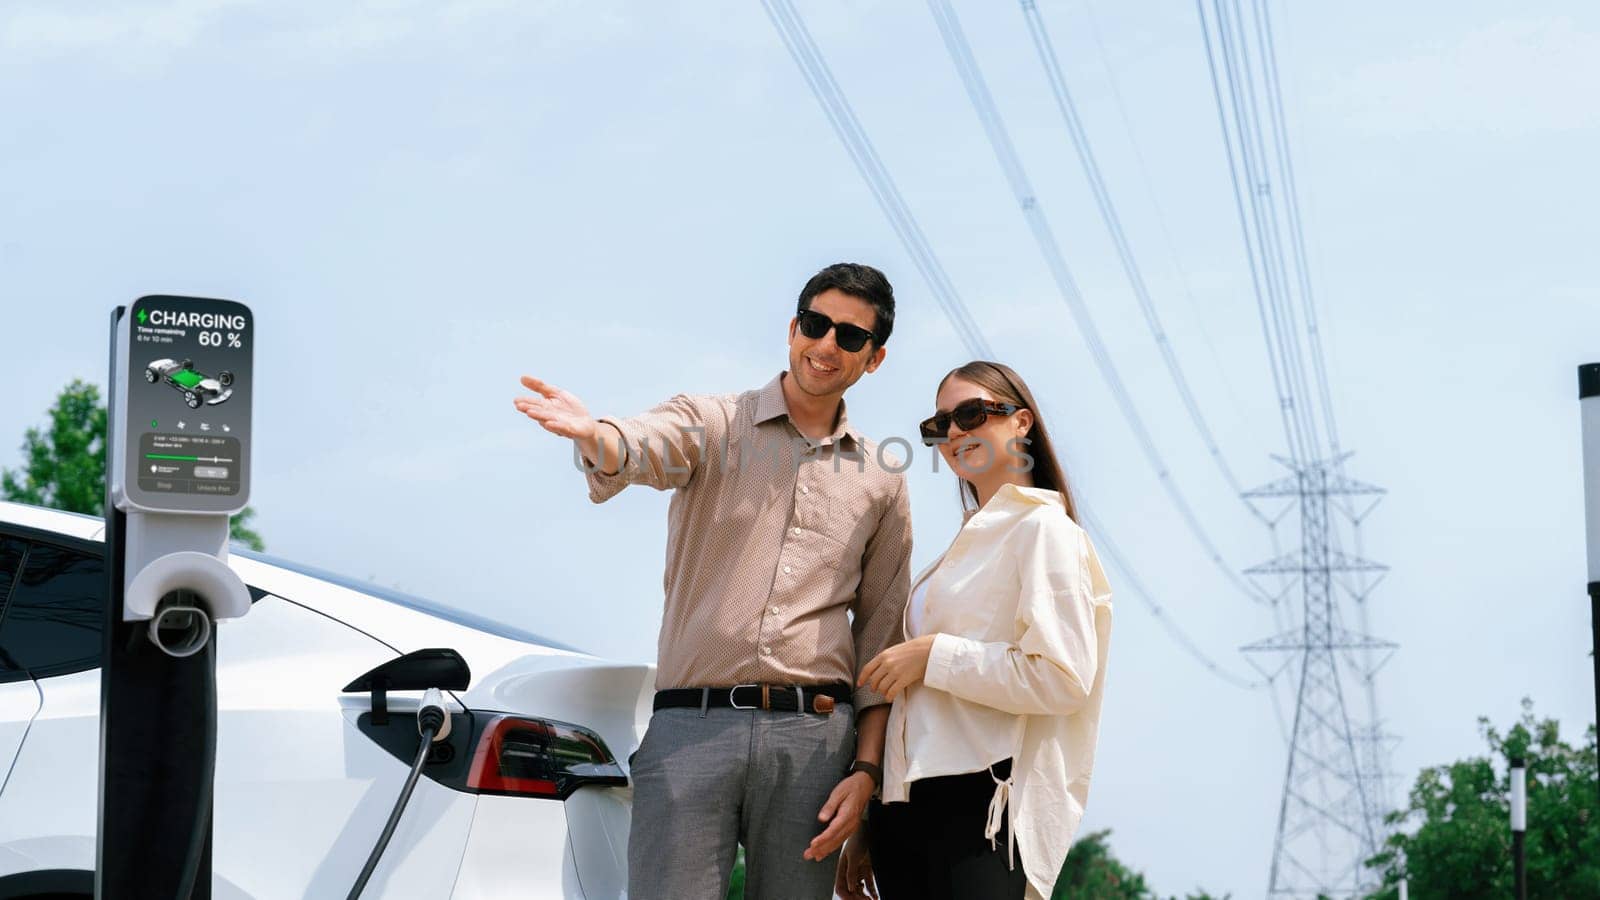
853	880
898	667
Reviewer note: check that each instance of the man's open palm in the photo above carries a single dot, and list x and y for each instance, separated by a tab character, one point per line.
559	411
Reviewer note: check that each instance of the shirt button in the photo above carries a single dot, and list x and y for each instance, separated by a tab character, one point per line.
797	529
804	489
773	609
766	651
788	570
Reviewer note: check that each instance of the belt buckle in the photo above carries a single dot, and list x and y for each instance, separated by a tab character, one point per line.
734	692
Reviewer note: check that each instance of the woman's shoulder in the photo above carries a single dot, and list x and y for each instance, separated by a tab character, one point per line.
1041	513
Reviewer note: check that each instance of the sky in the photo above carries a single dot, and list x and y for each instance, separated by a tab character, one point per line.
422	201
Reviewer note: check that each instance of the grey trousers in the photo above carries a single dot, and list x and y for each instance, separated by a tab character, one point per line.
702	786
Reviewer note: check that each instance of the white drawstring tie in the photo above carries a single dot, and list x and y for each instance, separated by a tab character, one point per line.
997	819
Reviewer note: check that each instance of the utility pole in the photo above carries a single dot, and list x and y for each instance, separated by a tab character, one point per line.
1519	824
1589	401
1330	814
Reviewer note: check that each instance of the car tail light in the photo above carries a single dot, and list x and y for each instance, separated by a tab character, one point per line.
539	758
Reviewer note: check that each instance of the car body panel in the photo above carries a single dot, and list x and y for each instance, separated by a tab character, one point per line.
597	821
508	858
19	703
301	792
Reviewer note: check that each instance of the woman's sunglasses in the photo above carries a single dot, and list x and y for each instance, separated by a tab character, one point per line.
968	414
850	338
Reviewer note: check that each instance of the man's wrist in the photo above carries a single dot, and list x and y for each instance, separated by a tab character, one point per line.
593	448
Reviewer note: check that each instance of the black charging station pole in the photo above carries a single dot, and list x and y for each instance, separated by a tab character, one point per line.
154	839
170	487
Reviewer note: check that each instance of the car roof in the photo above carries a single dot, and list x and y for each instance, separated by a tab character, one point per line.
70	524
412	602
266	572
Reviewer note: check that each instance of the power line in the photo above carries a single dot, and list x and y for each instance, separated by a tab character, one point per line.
1259	279
1113	222
1297	233
845	124
1033	211
1158	210
1236	58
1102	539
819	78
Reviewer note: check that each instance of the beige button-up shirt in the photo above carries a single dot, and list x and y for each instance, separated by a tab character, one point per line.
1022	611
788	561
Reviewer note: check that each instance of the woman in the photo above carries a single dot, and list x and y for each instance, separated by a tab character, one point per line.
997	689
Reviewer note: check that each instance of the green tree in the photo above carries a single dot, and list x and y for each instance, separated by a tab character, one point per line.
240	530
1461	845
1091	872
64	464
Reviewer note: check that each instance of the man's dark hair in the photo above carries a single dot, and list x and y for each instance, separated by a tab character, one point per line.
863	283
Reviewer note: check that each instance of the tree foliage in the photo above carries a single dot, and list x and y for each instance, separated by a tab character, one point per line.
1093	873
64	465
1460	814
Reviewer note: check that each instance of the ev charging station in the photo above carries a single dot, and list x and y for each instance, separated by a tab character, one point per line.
178	465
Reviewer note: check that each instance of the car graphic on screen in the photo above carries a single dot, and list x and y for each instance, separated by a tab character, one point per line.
196	387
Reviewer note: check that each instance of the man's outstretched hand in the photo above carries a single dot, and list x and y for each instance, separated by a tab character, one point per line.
842	812
559	411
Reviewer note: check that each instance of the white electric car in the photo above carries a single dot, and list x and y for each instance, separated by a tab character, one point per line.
529	799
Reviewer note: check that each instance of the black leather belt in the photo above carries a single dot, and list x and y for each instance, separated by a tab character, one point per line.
813	698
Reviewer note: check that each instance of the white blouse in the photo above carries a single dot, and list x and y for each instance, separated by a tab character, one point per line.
1022	614
919	599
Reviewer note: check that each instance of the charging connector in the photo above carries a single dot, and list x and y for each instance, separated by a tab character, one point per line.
433	723
432	717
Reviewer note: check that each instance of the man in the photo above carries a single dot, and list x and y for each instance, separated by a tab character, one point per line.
783	520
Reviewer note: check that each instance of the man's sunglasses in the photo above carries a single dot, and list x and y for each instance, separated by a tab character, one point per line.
850	338
968	414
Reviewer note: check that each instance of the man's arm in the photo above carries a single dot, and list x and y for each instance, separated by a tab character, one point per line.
885	586
848	803
879	607
871	725
660	448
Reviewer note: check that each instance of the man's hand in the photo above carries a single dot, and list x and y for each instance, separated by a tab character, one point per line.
899	667
853	879
842	812
559	411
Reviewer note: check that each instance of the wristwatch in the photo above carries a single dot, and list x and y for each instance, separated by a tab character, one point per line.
872	769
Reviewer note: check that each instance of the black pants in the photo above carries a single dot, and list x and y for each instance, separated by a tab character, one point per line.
933	848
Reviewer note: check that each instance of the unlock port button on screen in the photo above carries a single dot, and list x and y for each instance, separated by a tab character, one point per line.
211	471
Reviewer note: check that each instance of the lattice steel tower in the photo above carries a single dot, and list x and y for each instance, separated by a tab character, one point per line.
1330	819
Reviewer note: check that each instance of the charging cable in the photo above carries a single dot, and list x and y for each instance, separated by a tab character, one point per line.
434	725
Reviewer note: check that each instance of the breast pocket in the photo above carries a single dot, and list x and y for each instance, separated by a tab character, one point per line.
849	521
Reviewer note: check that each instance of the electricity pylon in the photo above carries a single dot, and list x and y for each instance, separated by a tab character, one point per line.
1330	817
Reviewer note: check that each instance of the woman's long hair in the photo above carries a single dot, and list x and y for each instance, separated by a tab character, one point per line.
1007	386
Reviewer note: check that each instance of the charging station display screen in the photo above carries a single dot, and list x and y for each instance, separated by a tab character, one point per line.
187	417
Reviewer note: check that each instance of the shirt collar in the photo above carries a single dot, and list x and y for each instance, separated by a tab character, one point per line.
1016	495
770	405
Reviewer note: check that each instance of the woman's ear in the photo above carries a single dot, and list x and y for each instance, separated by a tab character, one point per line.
1024	419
